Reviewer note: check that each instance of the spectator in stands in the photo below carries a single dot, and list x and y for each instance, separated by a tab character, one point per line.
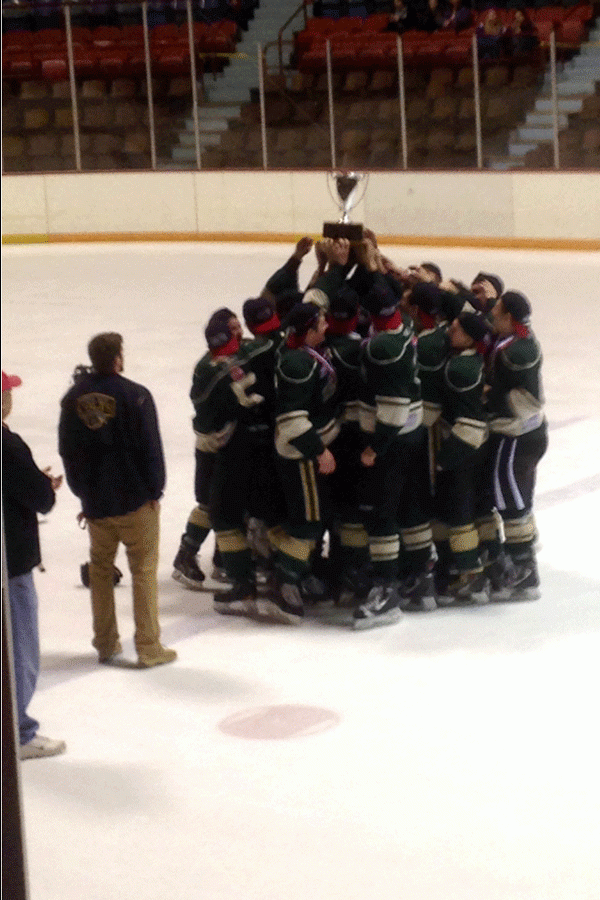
432	14
403	17
521	34
491	36
459	16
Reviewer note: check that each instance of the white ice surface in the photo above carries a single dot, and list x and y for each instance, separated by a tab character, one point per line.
461	757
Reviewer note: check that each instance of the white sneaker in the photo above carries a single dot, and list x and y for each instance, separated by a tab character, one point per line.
41	746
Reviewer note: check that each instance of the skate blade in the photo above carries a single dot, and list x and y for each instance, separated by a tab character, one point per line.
238	608
389	618
176	575
425	604
269	610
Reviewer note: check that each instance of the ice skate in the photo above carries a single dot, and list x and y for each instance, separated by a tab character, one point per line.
186	569
382	607
239	601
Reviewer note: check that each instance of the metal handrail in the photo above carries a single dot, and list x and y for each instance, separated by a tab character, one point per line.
302	7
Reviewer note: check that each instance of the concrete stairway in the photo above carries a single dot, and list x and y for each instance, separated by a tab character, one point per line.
575	80
231	88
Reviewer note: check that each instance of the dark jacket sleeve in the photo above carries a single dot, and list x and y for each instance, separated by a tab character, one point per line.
26	491
22	480
151	459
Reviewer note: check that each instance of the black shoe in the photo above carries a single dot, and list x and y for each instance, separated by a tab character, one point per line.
239	601
382	606
186	570
84	571
417	593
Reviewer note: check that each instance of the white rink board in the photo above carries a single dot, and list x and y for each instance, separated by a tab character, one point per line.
478	205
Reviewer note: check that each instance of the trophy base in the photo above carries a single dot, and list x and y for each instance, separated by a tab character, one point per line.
335	230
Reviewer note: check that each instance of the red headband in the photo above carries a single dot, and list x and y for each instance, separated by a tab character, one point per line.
232	346
270	325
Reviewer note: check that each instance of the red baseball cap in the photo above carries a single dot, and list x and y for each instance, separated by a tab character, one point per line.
10	381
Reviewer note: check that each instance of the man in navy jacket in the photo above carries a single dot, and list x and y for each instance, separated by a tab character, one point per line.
112	452
26	491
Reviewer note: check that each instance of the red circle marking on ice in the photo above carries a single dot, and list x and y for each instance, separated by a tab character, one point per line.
279	722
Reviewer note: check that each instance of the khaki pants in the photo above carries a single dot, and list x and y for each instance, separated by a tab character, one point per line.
139	532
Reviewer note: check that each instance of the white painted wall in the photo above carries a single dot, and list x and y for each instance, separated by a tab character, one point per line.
496	205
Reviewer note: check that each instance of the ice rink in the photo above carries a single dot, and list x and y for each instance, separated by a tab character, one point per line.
453	756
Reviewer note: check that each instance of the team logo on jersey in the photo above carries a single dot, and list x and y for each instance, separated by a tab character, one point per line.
95	410
237	373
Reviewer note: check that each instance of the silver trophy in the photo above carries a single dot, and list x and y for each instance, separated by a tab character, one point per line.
348	196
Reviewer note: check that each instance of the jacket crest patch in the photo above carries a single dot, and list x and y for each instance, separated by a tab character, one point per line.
95	410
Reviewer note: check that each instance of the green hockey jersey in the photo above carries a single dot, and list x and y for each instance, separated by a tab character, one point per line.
515	400
390	401
306	408
433	348
463	419
346	354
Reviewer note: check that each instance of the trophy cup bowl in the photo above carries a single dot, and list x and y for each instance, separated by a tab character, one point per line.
347	196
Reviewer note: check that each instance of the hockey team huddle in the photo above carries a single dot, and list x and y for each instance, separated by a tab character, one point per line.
373	446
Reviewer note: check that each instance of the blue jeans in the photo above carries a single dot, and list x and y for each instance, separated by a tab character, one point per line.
26	648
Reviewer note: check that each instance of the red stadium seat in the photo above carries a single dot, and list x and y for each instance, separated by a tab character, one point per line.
314	60
570	32
544	28
375	22
217	41
229	28
131	36
548	14
167	35
54	65
318	25
82	37
135	67
583	11
19	65
106	36
174	60
112	62
49	39
19	41
344	56
459	52
381	58
348	23
85	62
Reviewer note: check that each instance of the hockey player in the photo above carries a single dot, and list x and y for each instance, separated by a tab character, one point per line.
226	424
424	306
518	439
348	541
459	571
486	289
306	422
395	485
185	565
286	278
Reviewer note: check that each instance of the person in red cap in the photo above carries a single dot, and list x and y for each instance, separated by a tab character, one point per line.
26	491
